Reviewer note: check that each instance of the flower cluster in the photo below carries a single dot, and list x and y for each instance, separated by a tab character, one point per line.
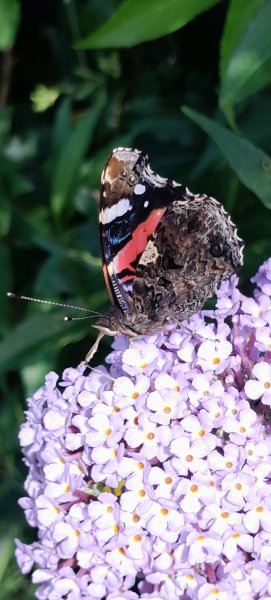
152	479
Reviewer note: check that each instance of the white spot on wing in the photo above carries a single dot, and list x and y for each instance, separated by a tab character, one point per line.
110	268
150	253
128	287
146	203
129	155
139	189
153	178
107	215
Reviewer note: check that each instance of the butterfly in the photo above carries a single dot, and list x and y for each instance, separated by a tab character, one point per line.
164	249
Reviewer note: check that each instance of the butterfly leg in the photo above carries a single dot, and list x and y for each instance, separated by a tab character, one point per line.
92	350
134	339
188	329
193	331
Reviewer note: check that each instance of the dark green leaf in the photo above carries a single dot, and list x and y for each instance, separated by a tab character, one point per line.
66	170
71	274
34	374
6	552
251	164
5	212
138	21
34	335
62	127
12	183
238	17
251	53
5	123
5	270
10	11
258	80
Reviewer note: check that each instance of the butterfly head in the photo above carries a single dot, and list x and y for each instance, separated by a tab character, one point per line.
107	324
115	323
111	324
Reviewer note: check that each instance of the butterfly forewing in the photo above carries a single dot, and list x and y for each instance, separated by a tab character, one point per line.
133	201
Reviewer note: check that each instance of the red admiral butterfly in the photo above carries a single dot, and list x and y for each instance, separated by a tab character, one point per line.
164	249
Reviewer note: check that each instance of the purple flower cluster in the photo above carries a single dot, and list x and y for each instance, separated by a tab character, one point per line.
152	479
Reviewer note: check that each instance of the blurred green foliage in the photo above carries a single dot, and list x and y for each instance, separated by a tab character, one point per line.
188	81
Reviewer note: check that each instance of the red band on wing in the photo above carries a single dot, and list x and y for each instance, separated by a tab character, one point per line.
136	246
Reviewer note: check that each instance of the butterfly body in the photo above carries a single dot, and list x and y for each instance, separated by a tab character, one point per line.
164	249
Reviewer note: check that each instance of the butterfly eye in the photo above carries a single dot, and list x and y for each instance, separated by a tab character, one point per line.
217	249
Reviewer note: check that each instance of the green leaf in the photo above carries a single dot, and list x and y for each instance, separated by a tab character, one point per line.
238	17
5	123
5	213
10	12
33	374
12	185
35	335
43	97
62	126
251	53
138	21
66	167
5	270
6	552
71	274
251	164
258	80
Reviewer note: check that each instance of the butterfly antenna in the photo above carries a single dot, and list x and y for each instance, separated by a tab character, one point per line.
93	313
67	318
